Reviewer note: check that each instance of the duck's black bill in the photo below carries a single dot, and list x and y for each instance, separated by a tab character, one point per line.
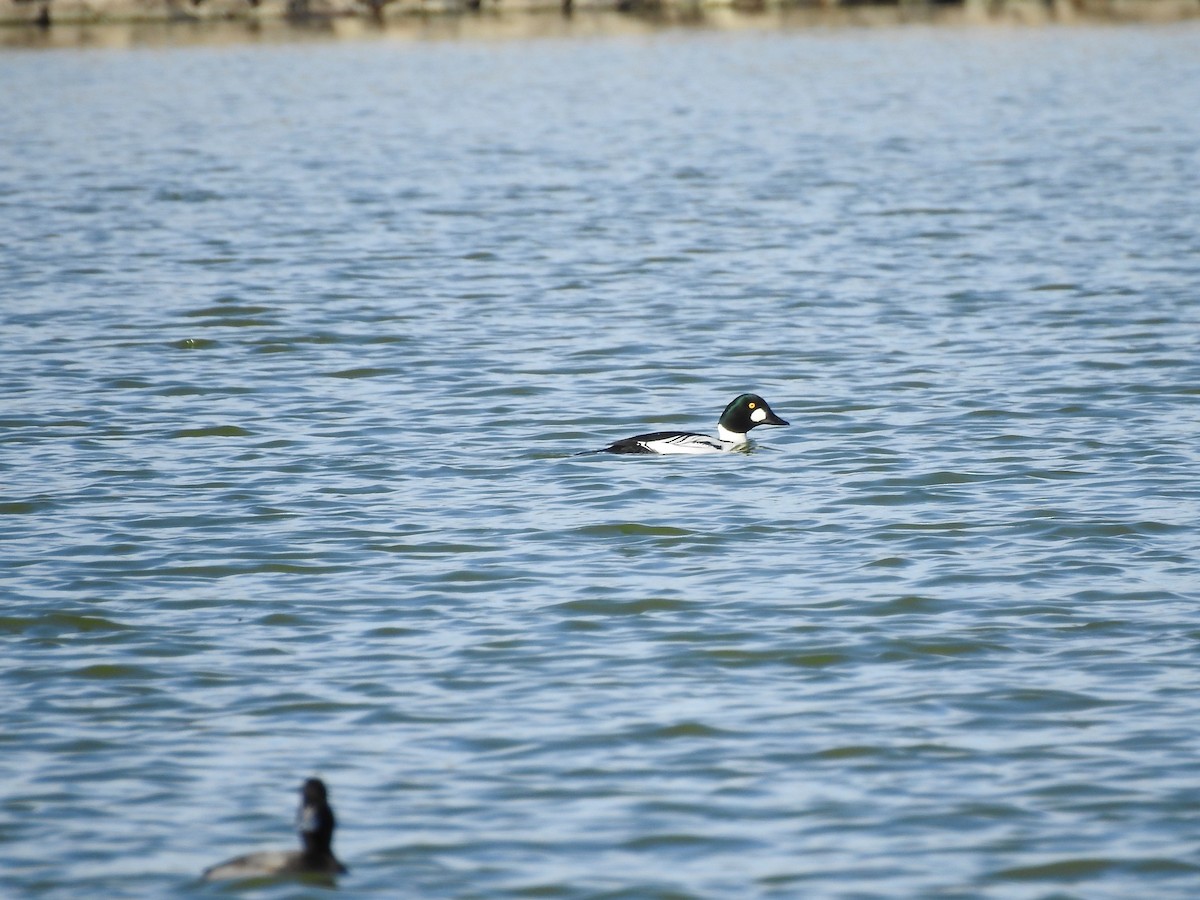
773	419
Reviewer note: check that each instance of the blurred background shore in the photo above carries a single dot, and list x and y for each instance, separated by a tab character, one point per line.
123	22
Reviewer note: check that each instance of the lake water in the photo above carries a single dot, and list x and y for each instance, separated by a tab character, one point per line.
300	342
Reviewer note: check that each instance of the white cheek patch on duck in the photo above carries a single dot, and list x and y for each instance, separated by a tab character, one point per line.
758	415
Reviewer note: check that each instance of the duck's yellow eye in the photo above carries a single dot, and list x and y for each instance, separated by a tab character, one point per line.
753	404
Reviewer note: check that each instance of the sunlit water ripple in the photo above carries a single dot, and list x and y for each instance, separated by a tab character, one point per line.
301	342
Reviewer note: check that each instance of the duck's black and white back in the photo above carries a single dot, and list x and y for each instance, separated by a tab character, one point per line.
315	823
668	442
743	413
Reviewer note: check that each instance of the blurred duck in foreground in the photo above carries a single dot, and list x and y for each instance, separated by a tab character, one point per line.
315	823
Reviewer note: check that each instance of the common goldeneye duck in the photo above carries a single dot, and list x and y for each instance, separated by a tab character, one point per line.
315	823
743	413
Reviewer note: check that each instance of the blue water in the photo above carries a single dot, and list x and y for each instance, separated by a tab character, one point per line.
300	342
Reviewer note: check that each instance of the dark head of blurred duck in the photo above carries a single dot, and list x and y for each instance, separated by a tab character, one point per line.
315	823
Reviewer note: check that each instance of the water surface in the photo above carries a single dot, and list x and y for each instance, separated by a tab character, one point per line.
300	342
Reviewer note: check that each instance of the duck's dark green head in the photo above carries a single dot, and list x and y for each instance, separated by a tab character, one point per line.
743	413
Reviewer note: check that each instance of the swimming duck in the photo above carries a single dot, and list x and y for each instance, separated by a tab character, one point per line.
743	413
315	823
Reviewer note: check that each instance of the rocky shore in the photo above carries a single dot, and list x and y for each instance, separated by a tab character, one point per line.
47	14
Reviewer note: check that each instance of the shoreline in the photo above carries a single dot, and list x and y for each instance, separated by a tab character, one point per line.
60	23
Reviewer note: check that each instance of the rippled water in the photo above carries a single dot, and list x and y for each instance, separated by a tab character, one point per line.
300	342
